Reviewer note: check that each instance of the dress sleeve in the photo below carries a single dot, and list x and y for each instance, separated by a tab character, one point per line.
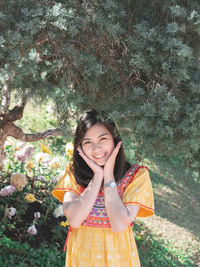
66	183
139	192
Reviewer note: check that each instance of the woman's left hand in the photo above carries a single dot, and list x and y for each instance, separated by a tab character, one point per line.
110	163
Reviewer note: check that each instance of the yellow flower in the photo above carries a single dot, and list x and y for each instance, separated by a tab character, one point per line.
40	157
64	224
19	146
45	149
69	150
55	163
19	181
29	165
30	198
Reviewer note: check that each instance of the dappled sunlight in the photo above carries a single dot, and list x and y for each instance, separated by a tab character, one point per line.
178	236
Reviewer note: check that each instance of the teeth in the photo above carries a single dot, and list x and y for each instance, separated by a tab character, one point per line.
99	157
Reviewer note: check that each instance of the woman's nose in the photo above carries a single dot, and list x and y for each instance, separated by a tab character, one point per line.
96	146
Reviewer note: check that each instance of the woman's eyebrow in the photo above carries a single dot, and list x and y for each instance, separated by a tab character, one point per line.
103	134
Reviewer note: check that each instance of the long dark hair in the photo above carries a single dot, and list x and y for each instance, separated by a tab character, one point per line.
83	173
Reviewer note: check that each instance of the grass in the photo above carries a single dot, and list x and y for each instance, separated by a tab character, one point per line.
177	217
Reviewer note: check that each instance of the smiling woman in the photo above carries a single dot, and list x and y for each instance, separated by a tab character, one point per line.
102	194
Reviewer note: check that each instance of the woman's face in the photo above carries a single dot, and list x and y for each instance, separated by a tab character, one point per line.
98	144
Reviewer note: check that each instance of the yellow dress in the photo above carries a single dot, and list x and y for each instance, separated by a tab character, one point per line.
94	244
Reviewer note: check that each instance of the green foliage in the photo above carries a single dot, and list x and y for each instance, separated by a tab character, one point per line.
21	254
137	60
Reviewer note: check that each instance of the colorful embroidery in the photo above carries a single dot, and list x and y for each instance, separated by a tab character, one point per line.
98	216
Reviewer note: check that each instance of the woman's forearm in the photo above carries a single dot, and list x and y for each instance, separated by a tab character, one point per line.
119	215
79	208
116	210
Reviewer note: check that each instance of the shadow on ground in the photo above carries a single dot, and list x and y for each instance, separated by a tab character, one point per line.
176	196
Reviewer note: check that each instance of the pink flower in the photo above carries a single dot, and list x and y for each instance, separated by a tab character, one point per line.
29	151
32	230
7	190
11	212
37	215
41	178
21	156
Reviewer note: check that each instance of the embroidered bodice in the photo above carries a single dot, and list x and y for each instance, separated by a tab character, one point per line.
98	216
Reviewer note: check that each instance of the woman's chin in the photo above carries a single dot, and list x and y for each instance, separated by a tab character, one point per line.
100	164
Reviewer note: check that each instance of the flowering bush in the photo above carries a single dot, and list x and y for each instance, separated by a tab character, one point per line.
28	211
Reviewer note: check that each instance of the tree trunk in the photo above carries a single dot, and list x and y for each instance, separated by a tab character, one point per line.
3	137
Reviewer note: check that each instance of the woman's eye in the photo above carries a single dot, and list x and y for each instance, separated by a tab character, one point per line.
103	139
87	143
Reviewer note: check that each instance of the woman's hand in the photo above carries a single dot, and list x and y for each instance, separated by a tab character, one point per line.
108	171
98	170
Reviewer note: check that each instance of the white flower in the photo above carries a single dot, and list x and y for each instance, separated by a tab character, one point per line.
7	144
32	230
41	157
58	212
11	212
54	179
20	145
37	215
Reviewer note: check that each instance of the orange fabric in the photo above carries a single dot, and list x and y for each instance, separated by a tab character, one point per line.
66	183
139	192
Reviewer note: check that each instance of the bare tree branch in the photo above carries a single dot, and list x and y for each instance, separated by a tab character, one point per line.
18	133
17	112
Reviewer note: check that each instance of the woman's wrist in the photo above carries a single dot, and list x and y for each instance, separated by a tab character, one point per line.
109	178
98	177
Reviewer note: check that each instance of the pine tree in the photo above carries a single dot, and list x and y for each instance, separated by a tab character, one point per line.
136	60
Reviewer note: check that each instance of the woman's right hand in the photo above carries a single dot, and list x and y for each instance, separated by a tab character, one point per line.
98	170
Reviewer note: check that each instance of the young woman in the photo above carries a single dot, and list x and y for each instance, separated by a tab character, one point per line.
102	194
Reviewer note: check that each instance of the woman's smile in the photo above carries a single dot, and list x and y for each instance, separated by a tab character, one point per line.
100	160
